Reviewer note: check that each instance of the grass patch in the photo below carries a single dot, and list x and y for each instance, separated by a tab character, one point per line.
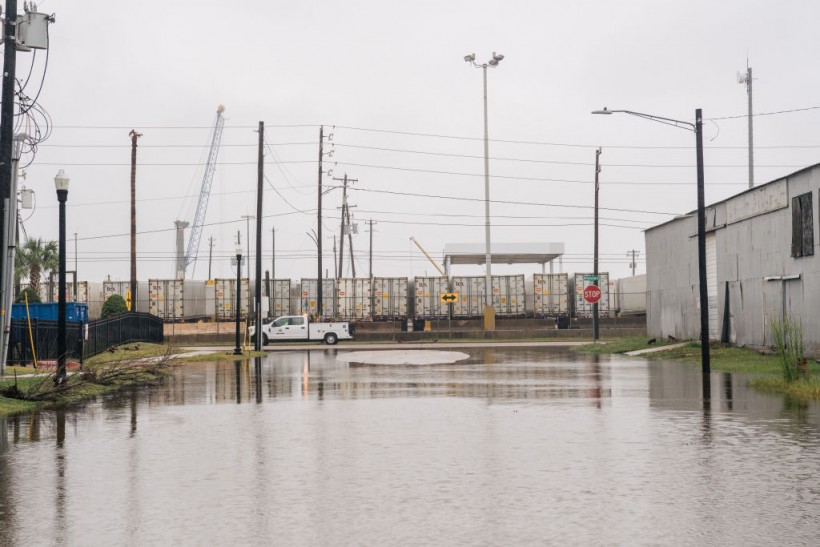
799	389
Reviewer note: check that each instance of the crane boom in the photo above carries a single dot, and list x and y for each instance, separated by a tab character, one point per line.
204	193
433	262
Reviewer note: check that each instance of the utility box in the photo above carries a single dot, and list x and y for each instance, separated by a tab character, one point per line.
32	31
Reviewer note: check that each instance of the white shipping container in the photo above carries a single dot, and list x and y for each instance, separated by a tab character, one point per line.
196	300
428	291
166	299
225	299
280	298
389	297
310	296
471	296
630	294
110	288
584	308
52	294
354	298
551	295
509	297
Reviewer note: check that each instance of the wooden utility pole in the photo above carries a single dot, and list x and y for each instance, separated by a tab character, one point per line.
595	326
370	261
345	219
350	241
134	136
335	271
634	254
210	255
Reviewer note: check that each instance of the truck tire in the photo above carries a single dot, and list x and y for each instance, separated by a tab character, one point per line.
265	339
331	338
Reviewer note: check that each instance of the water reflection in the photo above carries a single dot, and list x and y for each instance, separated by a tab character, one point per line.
299	448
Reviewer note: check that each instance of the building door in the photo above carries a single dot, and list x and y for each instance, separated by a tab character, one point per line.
711	285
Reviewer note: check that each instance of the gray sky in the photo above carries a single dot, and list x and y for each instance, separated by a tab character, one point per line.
407	111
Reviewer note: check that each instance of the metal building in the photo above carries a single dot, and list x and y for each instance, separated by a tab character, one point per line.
761	264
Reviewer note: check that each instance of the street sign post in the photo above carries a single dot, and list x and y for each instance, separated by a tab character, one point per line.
592	293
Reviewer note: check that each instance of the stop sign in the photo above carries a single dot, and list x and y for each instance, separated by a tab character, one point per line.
592	294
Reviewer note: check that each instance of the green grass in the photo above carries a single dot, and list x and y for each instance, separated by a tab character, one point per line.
621	345
800	389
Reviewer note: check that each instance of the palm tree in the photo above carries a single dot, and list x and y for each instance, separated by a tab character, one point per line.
36	258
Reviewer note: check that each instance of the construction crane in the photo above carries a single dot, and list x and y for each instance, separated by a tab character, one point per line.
433	262
189	258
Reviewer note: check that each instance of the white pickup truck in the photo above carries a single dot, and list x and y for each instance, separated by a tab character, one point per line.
298	327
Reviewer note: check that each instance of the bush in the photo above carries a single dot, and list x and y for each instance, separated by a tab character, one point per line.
115	305
788	340
33	297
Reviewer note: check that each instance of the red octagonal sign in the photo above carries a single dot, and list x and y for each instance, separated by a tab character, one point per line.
592	294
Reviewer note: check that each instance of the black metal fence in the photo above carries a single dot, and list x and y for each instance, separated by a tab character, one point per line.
102	334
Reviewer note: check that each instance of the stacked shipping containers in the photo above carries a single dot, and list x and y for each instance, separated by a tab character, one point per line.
354	298
389	298
280	297
551	295
225	299
582	308
308	301
428	291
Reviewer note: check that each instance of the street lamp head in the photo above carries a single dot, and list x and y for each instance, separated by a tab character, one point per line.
604	111
238	250
470	58
61	180
498	57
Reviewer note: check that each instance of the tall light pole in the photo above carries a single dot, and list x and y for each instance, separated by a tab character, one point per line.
247	258
697	127
238	350
488	259
61	183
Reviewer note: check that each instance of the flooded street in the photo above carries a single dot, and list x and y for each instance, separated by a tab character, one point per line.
508	446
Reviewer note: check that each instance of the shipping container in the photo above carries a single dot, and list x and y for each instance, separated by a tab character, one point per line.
141	302
308	300
166	299
51	294
551	295
225	299
76	312
427	299
280	298
630	295
471	296
581	307
509	298
196	300
354	298
389	298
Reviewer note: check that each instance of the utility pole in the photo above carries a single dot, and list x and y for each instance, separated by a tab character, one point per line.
350	240
634	254
257	346
595	326
210	255
248	262
335	270
134	136
370	261
747	79
7	137
319	308
273	254
345	219
75	268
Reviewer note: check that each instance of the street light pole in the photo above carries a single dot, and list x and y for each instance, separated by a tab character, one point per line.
238	350
61	184
697	128
488	258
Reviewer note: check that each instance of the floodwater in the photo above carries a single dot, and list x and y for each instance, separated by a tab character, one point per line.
508	447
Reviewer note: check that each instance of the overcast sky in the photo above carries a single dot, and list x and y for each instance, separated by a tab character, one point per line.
388	80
